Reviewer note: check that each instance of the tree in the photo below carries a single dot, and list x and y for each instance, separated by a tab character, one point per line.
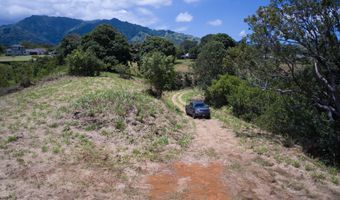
252	64
218	92
108	45
2	49
157	44
191	47
225	39
159	70
67	45
303	35
83	63
5	75
32	45
209	63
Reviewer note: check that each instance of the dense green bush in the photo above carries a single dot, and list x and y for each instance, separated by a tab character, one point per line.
44	66
25	73
5	75
182	80
247	102
158	69
291	114
294	117
217	94
123	71
83	63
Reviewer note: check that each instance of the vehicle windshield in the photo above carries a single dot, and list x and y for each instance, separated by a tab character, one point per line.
200	105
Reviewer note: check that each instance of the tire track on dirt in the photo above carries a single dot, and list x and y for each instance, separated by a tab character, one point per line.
192	178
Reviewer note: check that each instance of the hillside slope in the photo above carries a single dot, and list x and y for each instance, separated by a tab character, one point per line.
83	138
50	30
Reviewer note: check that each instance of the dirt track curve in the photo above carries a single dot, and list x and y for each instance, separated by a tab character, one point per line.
216	167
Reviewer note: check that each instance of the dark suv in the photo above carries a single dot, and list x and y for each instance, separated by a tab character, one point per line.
197	108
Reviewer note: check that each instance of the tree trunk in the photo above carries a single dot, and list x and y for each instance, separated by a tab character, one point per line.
337	145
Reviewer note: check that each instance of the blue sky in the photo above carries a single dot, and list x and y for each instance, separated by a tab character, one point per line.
195	17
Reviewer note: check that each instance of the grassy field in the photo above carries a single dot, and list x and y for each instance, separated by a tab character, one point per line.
76	137
183	65
15	58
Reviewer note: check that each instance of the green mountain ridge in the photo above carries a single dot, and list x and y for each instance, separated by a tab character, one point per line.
51	30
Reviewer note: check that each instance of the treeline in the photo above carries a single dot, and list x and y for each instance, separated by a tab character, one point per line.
105	49
24	74
285	76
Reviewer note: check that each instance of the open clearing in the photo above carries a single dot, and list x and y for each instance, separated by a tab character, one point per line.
183	65
17	58
105	138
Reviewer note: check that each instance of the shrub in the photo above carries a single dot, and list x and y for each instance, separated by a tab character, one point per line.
83	63
5	75
159	70
291	115
249	103
217	94
23	74
44	66
122	70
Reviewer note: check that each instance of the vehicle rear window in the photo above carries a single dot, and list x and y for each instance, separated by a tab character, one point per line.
200	105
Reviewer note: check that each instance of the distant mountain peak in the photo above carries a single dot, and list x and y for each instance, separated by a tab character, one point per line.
46	29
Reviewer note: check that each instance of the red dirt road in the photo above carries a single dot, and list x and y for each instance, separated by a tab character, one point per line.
189	181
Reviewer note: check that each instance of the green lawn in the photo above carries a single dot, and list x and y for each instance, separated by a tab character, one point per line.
15	58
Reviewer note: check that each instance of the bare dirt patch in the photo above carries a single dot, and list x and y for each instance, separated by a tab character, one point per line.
189	181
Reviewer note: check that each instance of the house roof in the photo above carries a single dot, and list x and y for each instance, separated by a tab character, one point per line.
16	45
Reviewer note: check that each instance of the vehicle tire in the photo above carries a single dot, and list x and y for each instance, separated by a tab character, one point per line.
194	115
208	117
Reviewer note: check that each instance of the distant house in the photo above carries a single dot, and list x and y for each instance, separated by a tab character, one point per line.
186	56
36	51
52	53
16	50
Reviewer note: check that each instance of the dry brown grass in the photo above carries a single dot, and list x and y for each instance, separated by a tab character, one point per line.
83	138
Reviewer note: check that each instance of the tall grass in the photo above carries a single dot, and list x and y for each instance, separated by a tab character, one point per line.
119	102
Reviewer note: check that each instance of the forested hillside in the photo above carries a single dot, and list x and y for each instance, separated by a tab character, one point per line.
50	30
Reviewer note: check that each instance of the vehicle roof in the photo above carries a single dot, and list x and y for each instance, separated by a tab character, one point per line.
196	101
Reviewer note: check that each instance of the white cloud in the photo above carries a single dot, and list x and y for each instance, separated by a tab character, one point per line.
155	3
243	33
216	22
184	17
191	1
135	11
